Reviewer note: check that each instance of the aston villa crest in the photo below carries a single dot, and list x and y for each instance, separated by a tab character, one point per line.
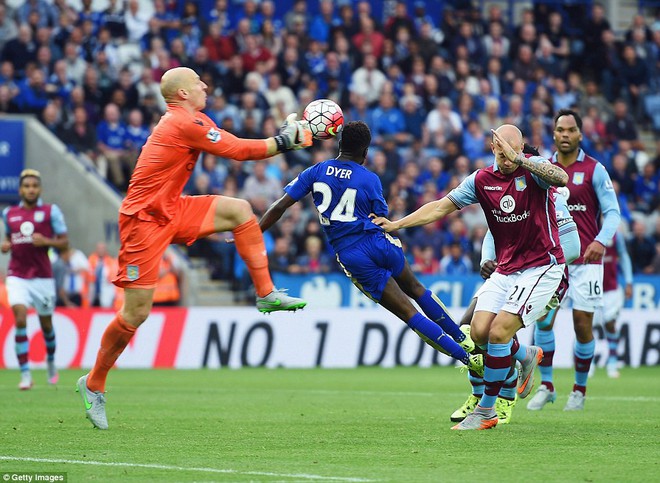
578	178
521	183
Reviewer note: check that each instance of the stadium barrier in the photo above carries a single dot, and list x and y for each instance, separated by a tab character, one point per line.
224	337
335	290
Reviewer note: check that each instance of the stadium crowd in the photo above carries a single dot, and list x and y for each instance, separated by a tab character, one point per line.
430	83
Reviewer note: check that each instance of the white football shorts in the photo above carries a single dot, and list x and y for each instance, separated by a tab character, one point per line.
36	292
610	310
585	286
524	293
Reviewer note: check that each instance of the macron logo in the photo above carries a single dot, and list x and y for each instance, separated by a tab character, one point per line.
493	188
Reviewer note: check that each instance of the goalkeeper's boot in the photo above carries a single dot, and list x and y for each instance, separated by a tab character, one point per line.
542	397
94	402
278	300
479	419
467	344
504	409
527	366
467	407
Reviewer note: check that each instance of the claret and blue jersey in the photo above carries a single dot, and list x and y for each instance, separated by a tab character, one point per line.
345	193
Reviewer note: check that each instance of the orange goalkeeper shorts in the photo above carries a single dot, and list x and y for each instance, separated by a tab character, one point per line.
143	241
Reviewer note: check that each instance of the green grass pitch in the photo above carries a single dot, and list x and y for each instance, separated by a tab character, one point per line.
367	424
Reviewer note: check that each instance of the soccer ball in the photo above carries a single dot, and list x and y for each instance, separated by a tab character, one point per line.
325	118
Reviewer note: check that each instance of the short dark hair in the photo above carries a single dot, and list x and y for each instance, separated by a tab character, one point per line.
355	137
569	112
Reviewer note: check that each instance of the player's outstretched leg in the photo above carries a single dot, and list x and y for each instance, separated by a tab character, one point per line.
437	312
251	248
94	403
432	306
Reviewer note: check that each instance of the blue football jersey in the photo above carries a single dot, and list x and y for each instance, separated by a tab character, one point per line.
345	193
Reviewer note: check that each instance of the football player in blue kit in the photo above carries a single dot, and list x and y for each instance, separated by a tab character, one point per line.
347	195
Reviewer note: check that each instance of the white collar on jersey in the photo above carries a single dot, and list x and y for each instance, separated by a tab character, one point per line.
580	157
40	202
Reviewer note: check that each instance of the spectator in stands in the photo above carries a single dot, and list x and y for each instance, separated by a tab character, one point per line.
76	65
367	81
314	259
8	27
646	189
387	120
442	124
21	50
167	292
641	248
102	269
137	24
135	136
258	185
71	272
622	125
32	97
111	144
634	80
280	258
455	262
622	171
425	261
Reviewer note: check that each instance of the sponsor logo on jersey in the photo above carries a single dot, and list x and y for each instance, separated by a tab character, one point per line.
513	218
213	135
493	188
521	183
577	207
27	228
578	178
507	203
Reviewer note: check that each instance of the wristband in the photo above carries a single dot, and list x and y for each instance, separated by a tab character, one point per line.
281	143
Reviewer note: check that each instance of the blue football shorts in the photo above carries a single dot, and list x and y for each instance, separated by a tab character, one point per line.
370	263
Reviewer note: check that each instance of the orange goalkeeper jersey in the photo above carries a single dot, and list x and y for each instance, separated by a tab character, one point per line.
168	159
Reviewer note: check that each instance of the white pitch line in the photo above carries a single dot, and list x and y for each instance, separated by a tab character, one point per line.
182	468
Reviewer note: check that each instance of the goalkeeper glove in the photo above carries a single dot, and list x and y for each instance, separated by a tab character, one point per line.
293	134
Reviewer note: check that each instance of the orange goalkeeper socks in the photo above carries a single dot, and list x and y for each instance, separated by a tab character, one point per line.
250	246
115	339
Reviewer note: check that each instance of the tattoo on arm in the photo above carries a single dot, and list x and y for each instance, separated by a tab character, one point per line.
548	172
